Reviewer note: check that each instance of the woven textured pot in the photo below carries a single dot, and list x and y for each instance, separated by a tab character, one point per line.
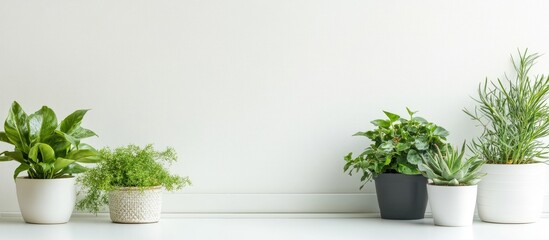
133	205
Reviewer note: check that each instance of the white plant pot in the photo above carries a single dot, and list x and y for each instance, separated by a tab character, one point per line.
511	193
47	201
452	206
132	205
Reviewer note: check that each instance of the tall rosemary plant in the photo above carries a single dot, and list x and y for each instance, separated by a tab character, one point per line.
514	116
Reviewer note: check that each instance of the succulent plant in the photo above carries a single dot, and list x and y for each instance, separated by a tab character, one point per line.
450	168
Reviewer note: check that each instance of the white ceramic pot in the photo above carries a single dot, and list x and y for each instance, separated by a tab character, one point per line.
132	205
452	206
47	201
511	193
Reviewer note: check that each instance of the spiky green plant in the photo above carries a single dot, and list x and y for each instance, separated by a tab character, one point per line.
450	168
514	116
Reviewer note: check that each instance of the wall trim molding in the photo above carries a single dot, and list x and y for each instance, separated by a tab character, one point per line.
254	205
360	203
270	203
237	215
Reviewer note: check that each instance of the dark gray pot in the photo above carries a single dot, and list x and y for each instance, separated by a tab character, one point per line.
400	196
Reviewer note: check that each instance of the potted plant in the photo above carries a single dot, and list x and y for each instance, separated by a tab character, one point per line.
452	186
130	180
50	153
391	160
514	116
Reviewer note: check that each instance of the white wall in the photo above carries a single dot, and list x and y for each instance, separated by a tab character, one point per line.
259	98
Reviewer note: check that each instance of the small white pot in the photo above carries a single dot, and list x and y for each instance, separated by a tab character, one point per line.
511	193
47	201
132	205
452	206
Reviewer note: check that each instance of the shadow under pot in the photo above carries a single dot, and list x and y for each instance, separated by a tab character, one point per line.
135	205
400	196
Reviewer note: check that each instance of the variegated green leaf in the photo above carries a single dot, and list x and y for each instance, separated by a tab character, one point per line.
42	124
16	128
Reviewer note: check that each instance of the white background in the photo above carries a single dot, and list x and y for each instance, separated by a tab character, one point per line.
259	98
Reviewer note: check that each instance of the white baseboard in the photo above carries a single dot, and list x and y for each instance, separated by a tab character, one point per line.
270	203
196	204
237	215
276	203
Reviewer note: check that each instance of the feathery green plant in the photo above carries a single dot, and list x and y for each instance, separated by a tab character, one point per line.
514	116
130	166
451	168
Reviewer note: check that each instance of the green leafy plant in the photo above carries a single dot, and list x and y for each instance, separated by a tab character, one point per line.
130	166
450	168
514	116
45	148
396	146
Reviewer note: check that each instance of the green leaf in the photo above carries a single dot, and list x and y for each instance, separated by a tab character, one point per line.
59	143
83	146
413	157
405	169
392	117
15	155
387	160
47	153
80	133
437	181
61	163
421	144
360	134
427	171
22	167
381	123
73	141
42	152
440	131
42	124
420	120
387	146
47	167
16	127
346	167
410	112
453	182
371	134
84	156
4	138
402	147
474	181
73	121
75	168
